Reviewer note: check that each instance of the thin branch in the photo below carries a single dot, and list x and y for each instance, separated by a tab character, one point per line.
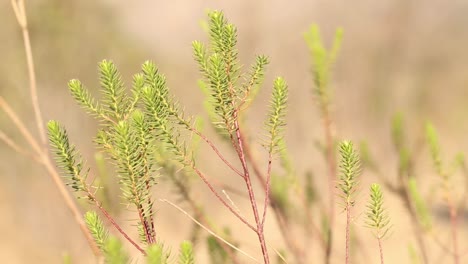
281	219
208	184
216	150
107	215
20	12
183	190
20	126
381	250
248	183
208	230
331	162
267	189
9	142
70	202
232	202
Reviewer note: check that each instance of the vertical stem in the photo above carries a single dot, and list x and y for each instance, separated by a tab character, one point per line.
453	223
247	179
331	178
20	12
348	238
381	250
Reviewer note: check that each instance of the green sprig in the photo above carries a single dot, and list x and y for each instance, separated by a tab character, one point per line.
377	217
350	169
97	228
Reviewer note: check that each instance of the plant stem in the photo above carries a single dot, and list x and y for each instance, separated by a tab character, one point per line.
453	224
281	219
209	231
331	161
225	204
20	12
41	151
107	215
380	250
348	224
183	190
248	183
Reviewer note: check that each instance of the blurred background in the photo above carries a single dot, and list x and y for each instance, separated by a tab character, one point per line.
397	56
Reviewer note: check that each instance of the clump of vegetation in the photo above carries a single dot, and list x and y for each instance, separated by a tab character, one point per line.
146	136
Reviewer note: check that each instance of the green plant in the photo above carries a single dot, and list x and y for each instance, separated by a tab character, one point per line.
350	169
377	217
148	138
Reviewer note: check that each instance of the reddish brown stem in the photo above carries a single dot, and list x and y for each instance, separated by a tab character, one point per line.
215	149
212	189
381	250
281	219
107	215
248	183
348	225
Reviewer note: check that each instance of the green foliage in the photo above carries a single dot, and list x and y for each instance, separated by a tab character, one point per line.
186	253
155	254
277	114
84	98
377	217
221	71
433	142
114	252
66	259
398	134
322	60
280	187
420	205
97	229
399	142
217	252
115	102
350	169
67	158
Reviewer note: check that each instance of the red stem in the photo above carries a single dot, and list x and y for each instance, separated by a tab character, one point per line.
348	223
381	250
107	215
208	184
248	183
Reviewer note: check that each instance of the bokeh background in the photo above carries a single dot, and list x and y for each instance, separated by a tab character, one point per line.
405	56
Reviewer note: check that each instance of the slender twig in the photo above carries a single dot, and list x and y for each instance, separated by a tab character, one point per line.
215	149
208	230
20	12
232	202
70	202
381	250
218	196
267	189
453	225
331	162
348	226
184	191
281	219
20	126
107	215
9	142
248	183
